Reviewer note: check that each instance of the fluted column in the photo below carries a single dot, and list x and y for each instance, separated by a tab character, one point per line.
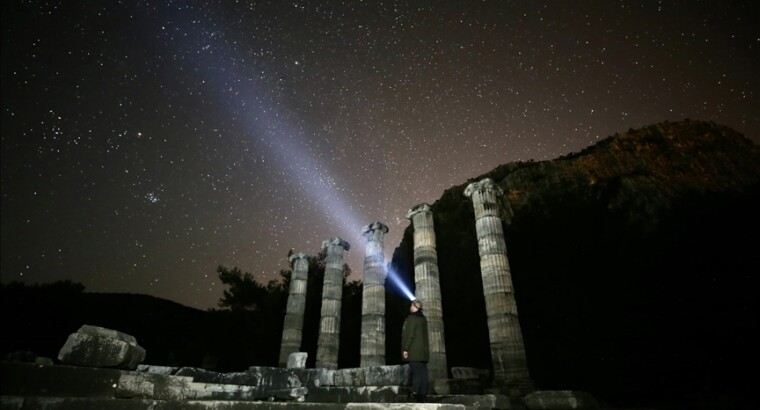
332	292
507	348
428	286
292	329
373	297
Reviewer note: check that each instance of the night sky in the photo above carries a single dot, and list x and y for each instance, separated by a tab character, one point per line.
146	143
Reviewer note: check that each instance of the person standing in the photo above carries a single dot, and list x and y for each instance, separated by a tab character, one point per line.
416	350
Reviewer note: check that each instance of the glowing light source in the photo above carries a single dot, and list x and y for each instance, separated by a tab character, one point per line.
393	276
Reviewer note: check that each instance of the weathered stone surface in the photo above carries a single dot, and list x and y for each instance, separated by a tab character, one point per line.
474	402
372	352
271	377
560	400
292	331
507	348
297	360
164	370
145	385
404	406
319	377
372	376
26	386
70	381
98	331
199	375
210	391
59	403
152	386
428	287
328	342
275	377
377	394
95	346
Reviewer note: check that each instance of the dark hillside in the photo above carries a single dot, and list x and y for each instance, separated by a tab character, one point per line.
634	264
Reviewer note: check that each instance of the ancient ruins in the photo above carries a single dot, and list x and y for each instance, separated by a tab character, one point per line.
100	368
507	350
428	286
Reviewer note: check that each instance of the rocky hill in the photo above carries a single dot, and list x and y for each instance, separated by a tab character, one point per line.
635	264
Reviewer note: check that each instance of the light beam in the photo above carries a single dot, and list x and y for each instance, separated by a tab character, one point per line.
394	277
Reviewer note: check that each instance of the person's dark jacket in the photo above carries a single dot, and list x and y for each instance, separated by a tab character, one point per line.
414	338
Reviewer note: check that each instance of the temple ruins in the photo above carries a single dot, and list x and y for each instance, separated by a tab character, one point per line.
510	367
100	367
332	294
428	286
292	330
372	347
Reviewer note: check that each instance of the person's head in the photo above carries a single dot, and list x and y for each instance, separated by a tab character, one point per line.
415	306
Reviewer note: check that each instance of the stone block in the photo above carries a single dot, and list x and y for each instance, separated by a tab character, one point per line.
386	375
229	392
475	402
274	378
94	346
560	400
372	376
277	378
367	394
404	406
353	377
133	385
319	377
297	360
163	370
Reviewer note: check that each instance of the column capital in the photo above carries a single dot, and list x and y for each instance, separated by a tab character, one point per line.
374	226
423	207
485	184
300	255
335	241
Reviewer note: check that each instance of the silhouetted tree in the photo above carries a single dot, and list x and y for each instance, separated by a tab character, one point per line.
246	293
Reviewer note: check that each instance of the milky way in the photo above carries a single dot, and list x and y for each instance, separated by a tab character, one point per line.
146	143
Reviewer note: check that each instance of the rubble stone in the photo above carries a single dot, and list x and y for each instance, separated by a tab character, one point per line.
95	346
297	360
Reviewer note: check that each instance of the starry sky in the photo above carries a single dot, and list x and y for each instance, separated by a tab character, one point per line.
145	143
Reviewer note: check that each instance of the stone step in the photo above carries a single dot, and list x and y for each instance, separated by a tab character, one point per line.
470	401
76	403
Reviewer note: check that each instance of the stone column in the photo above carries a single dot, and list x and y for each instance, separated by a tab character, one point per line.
373	297
292	329
428	286
507	349
332	292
